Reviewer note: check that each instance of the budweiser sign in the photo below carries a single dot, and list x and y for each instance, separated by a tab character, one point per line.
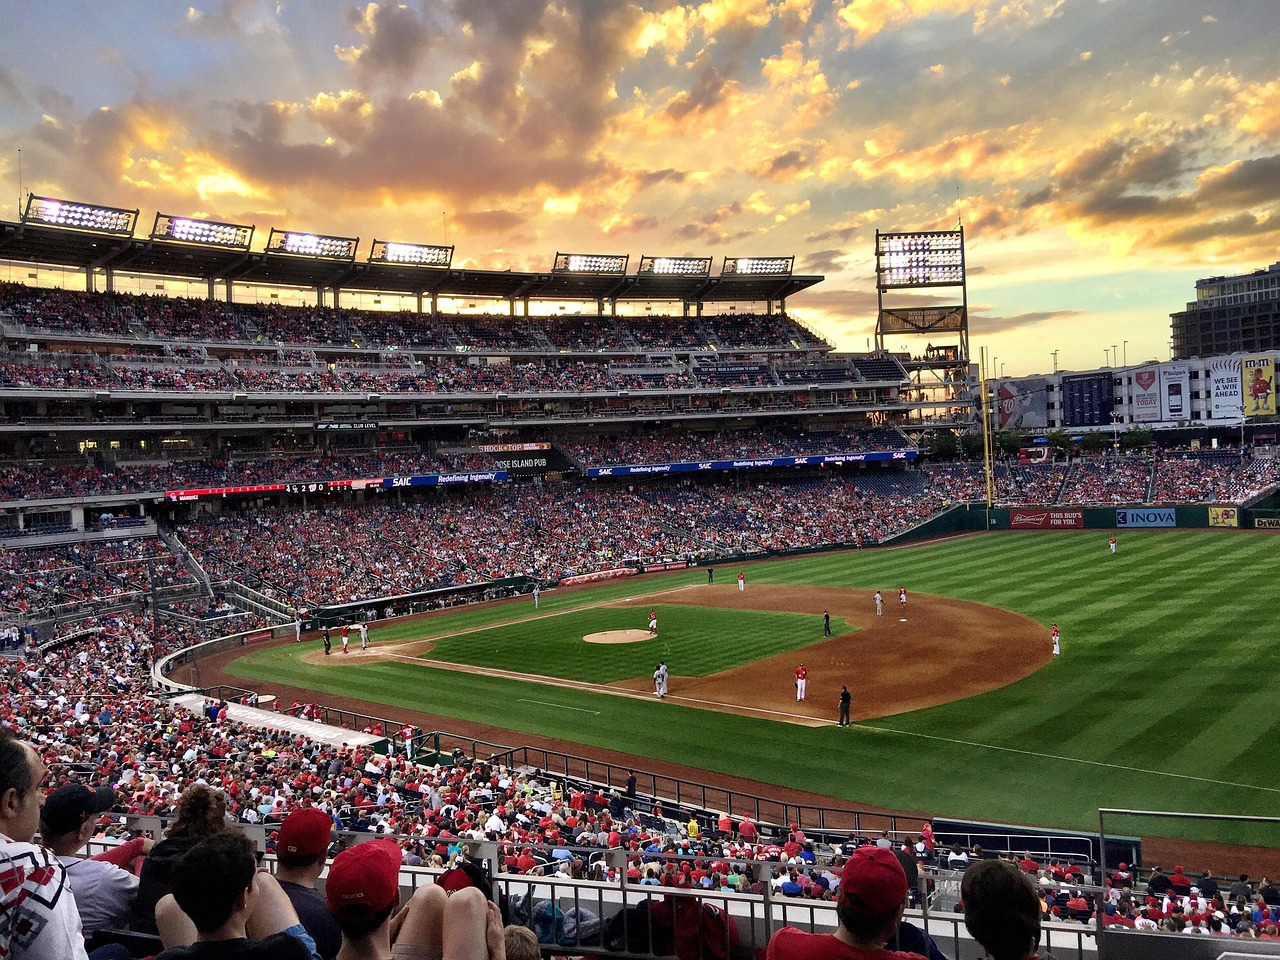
1046	519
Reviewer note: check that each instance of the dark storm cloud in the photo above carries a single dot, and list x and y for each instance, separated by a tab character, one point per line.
407	147
784	166
489	221
711	87
1247	183
562	94
220	19
823	261
649	178
982	324
397	41
1241	225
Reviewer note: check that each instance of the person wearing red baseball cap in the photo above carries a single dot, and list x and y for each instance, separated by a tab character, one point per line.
302	848
363	891
873	894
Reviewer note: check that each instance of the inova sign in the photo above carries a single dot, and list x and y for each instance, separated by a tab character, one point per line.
1146	518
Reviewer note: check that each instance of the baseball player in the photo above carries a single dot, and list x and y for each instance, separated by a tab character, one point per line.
902	597
802	681
1053	635
346	637
826	623
742	582
364	635
653	622
879	604
1112	544
535	596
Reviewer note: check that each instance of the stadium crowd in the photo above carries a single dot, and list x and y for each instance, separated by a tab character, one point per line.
110	751
120	315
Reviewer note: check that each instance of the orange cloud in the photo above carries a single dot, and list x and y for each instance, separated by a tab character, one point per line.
867	18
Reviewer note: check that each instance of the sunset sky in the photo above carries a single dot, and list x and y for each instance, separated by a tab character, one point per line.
1101	154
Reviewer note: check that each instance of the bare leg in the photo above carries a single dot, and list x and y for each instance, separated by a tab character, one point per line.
418	928
176	928
473	928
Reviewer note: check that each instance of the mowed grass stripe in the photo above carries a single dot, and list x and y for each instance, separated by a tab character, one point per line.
1169	665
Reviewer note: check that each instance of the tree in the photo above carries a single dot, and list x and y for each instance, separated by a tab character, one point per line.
1060	440
1009	442
1095	441
971	444
1136	438
940	445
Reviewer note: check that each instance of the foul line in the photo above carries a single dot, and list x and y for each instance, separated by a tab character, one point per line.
1055	756
562	706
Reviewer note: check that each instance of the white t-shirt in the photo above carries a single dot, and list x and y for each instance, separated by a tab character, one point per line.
39	920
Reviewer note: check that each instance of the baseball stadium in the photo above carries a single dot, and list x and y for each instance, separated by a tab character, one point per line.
361	560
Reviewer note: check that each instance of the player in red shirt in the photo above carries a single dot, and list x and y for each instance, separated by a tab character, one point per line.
802	681
902	597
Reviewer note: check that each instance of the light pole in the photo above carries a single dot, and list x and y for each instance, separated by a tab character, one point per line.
1126	354
1115	354
1054	354
1106	355
1002	370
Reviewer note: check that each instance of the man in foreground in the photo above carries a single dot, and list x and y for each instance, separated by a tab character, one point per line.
38	915
872	896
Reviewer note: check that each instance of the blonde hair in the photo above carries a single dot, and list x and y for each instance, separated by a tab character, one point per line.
522	943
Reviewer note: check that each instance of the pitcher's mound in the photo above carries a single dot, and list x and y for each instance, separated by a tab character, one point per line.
618	636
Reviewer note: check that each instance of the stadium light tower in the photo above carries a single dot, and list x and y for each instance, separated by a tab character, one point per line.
757	266
71	215
209	233
676	266
296	244
590	263
411	254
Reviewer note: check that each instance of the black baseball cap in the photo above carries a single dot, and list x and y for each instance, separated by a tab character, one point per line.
68	807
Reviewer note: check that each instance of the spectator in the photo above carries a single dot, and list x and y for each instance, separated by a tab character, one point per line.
873	894
219	895
363	891
1001	909
202	813
40	920
521	943
301	851
104	892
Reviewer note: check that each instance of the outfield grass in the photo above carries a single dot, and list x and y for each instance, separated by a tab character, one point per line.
1165	696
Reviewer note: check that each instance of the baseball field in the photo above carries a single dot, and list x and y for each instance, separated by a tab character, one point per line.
1165	697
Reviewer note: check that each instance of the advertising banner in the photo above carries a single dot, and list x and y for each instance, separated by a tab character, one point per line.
1262	523
1022	405
1149	517
1175	392
1087	400
1259	374
642	469
1226	398
1146	395
1225	517
1046	519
